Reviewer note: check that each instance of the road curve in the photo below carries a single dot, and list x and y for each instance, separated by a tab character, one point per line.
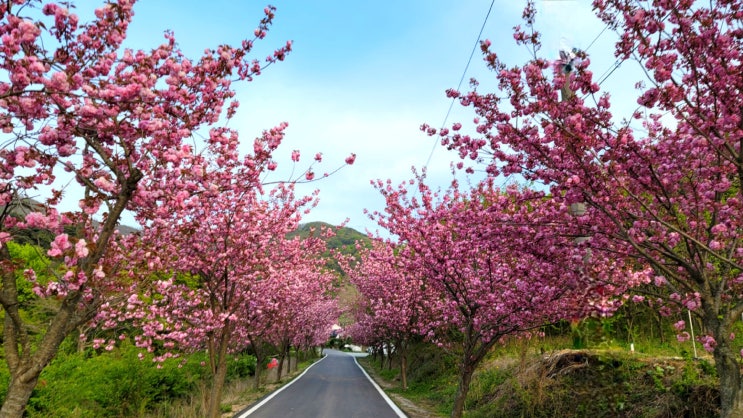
334	387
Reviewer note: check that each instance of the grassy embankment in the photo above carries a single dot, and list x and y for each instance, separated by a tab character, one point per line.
540	378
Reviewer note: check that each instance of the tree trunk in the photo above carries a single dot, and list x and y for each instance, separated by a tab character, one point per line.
731	393
257	380
467	369
280	367
26	367
19	392
474	349
284	349
258	369
215	395
401	351
219	373
404	369
26	364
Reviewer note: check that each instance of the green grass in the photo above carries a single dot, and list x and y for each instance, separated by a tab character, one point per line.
541	378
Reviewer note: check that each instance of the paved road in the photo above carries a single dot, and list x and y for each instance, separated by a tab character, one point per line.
334	387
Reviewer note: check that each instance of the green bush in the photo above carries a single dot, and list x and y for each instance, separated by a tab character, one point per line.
241	366
118	383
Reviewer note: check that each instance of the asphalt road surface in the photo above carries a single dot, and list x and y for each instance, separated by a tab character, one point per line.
334	387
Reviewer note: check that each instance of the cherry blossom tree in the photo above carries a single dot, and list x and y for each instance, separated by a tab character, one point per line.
664	183
295	307
495	271
227	241
227	247
304	289
233	279
395	303
314	325
73	101
257	326
301	300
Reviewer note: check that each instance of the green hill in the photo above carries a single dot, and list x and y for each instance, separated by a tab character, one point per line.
344	240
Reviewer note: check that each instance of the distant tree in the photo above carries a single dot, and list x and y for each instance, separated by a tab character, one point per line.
315	324
227	243
303	287
342	241
244	278
395	303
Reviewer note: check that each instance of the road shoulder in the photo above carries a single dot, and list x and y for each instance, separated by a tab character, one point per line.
410	408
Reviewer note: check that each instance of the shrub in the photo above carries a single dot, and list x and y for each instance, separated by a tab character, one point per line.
118	383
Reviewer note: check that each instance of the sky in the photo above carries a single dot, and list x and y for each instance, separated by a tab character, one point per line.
363	76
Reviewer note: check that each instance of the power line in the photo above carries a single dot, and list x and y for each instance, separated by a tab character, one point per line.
603	78
596	38
469	61
610	71
461	80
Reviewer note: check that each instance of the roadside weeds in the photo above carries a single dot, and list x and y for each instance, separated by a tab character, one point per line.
410	408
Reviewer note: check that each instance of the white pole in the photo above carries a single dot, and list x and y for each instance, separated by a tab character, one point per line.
694	343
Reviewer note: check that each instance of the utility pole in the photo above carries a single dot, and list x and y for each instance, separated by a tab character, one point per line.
568	60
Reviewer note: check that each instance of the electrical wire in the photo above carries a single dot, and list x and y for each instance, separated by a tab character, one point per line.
461	80
469	61
596	38
603	78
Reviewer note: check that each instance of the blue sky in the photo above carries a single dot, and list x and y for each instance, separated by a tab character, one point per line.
363	76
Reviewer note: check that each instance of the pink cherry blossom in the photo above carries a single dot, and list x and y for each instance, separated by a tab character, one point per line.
269	290
60	244
81	248
708	342
104	184
683	337
122	136
490	273
665	194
